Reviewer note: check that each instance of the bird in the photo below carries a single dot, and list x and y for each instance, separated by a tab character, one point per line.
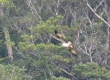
60	36
70	44
72	51
69	47
66	44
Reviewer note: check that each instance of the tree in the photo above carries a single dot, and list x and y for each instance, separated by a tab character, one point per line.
90	71
30	25
10	72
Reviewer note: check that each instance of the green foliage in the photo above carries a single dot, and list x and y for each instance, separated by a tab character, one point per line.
4	1
10	72
27	47
59	78
48	26
40	55
2	48
91	70
62	59
2	71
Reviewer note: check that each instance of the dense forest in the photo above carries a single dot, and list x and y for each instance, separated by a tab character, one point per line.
29	49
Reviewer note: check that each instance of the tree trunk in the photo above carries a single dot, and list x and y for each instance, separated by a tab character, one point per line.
8	44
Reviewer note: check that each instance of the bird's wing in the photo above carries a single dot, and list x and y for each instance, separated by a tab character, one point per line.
72	51
60	36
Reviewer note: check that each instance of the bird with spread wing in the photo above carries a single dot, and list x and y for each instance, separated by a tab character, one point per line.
60	36
65	43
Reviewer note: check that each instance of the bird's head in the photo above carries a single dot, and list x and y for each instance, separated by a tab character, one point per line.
55	31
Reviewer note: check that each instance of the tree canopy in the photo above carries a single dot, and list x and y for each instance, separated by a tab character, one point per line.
29	49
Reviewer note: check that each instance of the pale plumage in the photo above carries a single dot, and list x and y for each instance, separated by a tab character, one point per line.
68	45
65	45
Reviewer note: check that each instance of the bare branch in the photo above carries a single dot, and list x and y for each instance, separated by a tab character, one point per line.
97	14
56	38
63	70
88	18
30	4
73	14
99	5
50	10
20	52
66	72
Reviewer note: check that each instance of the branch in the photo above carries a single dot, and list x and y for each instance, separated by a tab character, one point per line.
88	18
66	72
30	4
99	4
56	38
19	51
62	69
97	14
73	14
